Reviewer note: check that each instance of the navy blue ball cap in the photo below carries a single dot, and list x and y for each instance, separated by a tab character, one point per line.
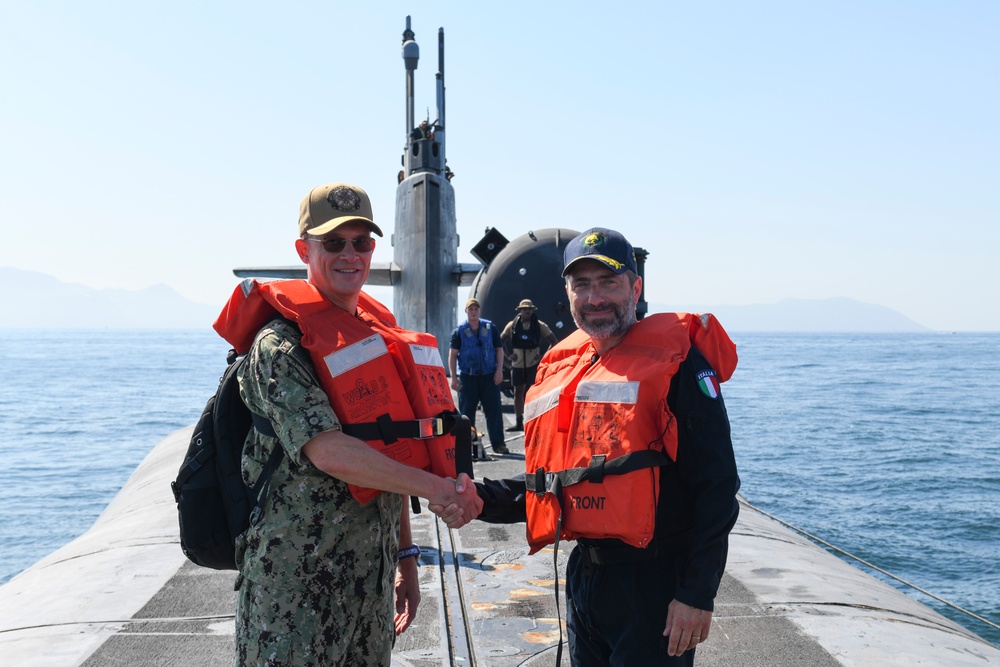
606	246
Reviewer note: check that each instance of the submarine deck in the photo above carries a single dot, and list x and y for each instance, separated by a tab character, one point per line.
124	594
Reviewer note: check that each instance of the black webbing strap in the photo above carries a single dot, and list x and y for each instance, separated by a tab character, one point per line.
540	481
462	430
263	425
260	489
387	430
190	467
263	482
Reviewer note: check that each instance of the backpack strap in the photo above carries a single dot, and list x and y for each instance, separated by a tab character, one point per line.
263	425
263	483
189	467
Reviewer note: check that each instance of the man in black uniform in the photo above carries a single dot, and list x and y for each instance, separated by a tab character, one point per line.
626	604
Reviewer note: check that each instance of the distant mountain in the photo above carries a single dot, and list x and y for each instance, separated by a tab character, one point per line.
836	315
41	301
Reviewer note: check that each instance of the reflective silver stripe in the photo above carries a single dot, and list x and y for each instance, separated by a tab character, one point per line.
607	392
425	355
355	354
542	404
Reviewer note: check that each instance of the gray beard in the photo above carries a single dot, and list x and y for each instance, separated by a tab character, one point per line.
613	327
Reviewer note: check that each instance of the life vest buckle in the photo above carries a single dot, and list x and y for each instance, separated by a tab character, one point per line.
539	482
430	427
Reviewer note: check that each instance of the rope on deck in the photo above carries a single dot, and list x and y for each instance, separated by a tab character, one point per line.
867	564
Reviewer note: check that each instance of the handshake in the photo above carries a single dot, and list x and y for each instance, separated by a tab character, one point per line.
459	502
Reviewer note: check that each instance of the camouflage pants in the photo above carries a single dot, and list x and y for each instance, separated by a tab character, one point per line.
276	628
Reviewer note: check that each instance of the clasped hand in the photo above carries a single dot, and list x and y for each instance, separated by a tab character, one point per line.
460	505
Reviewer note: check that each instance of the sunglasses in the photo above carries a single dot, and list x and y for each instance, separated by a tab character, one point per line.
336	245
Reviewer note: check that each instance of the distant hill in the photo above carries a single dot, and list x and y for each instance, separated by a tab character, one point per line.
836	315
41	301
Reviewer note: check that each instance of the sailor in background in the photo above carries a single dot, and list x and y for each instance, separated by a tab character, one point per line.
423	131
475	361
525	334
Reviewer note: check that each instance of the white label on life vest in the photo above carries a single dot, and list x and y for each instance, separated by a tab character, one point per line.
542	404
355	354
607	392
424	355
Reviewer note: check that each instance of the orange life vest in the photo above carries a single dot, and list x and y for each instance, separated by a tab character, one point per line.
597	430
375	374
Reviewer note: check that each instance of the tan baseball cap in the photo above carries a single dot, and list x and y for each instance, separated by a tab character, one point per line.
329	206
472	302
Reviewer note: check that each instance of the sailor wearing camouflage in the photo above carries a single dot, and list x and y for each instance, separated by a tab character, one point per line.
326	578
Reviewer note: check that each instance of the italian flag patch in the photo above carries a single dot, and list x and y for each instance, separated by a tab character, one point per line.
708	384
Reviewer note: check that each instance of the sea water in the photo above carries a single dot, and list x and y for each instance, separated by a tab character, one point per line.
885	445
78	411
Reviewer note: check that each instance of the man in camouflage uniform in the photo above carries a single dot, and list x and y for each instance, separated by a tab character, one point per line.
320	571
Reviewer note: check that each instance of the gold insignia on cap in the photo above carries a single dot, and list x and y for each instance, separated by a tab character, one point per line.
594	239
344	199
610	262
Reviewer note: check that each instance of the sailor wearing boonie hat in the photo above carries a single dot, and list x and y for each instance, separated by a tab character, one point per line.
524	334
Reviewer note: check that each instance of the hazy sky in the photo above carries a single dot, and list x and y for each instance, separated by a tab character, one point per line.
758	150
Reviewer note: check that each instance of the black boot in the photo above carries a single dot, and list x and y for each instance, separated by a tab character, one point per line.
519	426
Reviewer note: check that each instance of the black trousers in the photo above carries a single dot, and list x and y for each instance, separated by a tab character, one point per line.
615	614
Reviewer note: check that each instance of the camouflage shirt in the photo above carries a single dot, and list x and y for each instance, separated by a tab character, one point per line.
313	534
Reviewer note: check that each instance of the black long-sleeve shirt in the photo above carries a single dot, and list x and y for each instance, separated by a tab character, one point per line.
697	507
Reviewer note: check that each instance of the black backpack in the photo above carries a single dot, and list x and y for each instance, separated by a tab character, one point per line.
214	506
